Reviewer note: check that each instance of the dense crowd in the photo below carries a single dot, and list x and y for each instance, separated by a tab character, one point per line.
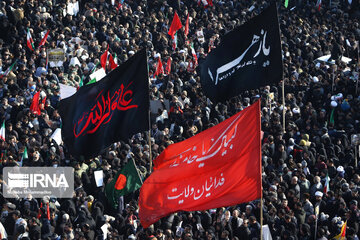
322	111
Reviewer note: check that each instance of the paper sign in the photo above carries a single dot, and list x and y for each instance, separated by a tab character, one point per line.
98	74
56	57
73	8
326	59
200	36
104	229
99	178
74	61
56	136
266	233
66	91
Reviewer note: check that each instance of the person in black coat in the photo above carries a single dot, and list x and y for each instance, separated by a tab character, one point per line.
337	51
244	231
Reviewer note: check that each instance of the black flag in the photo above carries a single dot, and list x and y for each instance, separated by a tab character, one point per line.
107	111
247	58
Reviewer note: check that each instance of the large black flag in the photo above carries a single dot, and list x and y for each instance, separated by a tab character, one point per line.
247	58
107	111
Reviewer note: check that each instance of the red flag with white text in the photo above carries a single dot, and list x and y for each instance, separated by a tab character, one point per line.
218	167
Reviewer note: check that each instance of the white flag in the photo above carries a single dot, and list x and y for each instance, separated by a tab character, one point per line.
99	178
66	91
56	136
97	75
266	233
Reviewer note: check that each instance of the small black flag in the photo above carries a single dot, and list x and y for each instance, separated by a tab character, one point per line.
107	111
247	58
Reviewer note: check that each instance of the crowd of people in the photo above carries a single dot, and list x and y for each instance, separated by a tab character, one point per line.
311	178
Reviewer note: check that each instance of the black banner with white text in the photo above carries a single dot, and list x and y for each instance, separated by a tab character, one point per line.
247	58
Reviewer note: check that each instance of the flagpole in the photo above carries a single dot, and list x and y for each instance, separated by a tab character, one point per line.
283	80
149	137
260	162
316	219
261	216
333	78
149	133
283	103
315	228
137	170
357	68
356	156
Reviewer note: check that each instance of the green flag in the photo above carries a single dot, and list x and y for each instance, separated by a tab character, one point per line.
97	75
24	156
126	180
286	3
2	131
92	78
332	116
81	81
8	70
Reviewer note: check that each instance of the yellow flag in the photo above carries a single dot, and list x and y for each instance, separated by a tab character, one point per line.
317	209
341	235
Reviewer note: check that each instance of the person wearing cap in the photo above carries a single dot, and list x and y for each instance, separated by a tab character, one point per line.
339	180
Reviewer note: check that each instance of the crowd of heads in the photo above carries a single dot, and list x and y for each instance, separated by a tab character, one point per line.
313	150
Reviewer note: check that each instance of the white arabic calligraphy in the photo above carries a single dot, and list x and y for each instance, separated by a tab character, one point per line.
266	51
205	188
211	152
236	63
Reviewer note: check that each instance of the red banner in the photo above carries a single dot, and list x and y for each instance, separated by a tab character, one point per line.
175	25
218	167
